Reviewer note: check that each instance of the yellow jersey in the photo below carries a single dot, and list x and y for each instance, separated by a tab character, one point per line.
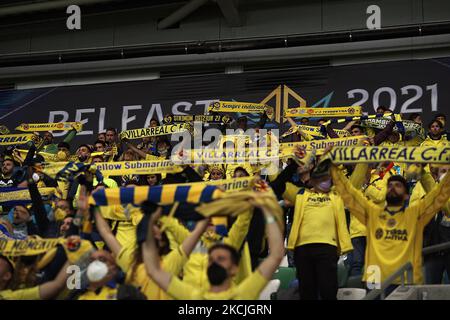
249	289
393	239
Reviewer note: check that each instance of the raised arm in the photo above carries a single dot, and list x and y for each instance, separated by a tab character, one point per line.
436	199
383	134
72	133
353	198
276	246
262	121
106	233
39	211
238	231
331	133
191	241
293	125
349	125
191	174
174	228
131	146
50	289
279	184
151	256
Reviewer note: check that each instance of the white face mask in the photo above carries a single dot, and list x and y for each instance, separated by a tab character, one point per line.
96	271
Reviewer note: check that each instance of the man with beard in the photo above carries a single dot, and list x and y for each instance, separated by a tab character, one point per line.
51	147
394	229
6	176
223	261
83	153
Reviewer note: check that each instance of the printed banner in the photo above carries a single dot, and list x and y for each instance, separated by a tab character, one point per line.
154	131
195	118
231	185
313	131
323	112
66	171
29	247
14	196
59	126
320	145
395	154
242	107
12	139
48	157
74	249
381	123
137	167
226	156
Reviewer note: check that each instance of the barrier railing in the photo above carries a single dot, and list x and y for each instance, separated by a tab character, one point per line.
408	268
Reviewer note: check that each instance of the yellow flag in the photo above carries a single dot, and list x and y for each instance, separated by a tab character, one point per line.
242	107
59	126
324	112
12	139
154	131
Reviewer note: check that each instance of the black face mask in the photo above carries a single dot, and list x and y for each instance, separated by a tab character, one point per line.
216	274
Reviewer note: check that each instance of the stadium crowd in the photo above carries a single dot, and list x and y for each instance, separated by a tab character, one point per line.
370	214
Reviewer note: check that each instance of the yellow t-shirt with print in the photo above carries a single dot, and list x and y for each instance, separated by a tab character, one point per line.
249	289
318	224
376	191
137	275
393	239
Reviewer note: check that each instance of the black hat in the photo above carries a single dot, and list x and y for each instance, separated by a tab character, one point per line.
38	159
399	179
321	170
63	144
242	118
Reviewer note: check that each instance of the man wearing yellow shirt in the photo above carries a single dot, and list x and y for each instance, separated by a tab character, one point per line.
394	231
222	266
375	190
129	257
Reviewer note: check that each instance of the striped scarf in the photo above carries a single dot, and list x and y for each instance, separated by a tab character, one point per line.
162	195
